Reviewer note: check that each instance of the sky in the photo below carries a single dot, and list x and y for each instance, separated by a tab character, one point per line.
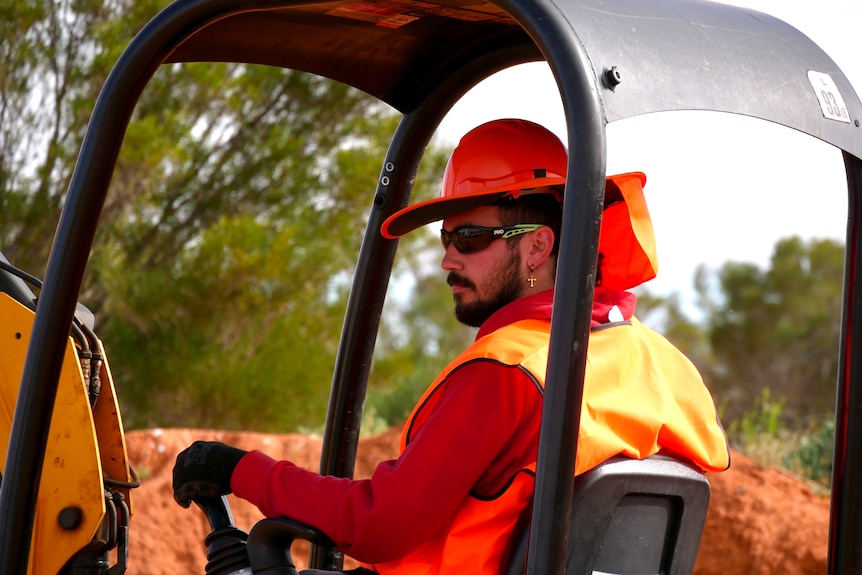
731	196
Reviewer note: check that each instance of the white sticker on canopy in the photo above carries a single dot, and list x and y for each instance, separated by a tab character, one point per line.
831	102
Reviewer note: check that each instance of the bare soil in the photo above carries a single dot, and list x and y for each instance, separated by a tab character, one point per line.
760	521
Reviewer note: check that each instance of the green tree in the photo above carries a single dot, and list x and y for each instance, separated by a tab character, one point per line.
767	346
234	215
767	331
44	48
236	287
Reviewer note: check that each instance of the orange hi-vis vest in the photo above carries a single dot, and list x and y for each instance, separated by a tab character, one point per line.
641	395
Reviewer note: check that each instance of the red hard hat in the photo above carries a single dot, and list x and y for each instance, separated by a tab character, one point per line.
494	160
517	157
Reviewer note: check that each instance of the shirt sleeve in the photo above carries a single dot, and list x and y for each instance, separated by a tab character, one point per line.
474	437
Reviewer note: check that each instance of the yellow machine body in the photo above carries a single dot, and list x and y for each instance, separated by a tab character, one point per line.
85	446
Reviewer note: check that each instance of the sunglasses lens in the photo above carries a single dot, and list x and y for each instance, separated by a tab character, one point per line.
470	239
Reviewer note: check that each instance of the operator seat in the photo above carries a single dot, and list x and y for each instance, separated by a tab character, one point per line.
632	517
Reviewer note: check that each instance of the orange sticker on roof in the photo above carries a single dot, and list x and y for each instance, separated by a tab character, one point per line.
365	8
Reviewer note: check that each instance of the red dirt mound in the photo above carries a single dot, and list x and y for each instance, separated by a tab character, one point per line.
760	521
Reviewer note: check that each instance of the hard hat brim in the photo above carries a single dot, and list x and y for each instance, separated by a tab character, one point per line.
412	217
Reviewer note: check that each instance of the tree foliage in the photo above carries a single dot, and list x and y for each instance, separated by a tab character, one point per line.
234	215
772	330
44	46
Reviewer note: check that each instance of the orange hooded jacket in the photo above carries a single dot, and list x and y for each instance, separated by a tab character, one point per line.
640	395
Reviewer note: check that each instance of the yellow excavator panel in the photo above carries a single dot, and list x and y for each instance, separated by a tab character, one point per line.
71	502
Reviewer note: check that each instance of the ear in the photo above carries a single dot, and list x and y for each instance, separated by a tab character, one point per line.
540	246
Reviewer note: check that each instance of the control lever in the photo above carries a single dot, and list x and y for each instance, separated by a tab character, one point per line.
265	550
269	544
226	544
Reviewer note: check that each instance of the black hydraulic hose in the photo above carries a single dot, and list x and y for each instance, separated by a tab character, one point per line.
93	378
84	355
33	280
89	354
123	516
133	484
13	282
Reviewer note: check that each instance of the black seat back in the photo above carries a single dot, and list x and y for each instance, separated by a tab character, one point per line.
633	517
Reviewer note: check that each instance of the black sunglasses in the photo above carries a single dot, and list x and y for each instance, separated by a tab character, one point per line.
469	239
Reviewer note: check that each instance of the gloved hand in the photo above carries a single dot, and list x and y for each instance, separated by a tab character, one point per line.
204	469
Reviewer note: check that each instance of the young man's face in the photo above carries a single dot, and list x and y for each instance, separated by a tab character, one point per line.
486	280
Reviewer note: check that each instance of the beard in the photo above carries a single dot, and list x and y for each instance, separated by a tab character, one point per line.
509	284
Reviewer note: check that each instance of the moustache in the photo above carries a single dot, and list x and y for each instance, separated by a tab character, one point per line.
457	279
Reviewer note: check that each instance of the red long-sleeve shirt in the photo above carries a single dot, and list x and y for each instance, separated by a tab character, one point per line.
408	499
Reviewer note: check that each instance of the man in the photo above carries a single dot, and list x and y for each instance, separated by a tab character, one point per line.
450	502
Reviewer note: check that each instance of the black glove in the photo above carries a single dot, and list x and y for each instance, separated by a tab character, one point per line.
204	469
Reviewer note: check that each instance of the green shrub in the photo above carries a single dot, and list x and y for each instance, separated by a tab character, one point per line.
813	456
759	422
